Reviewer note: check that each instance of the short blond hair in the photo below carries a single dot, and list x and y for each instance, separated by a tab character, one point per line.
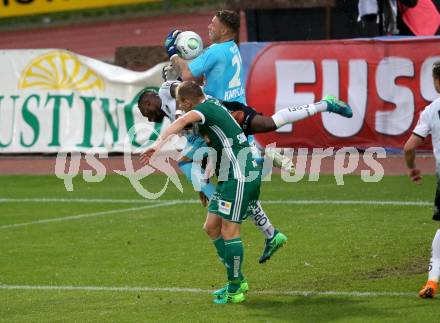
189	90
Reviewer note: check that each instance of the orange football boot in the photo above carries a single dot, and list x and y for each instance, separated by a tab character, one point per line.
429	290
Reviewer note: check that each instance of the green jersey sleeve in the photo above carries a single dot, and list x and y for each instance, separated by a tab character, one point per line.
207	112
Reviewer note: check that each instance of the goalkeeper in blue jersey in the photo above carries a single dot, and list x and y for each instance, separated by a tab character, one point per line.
219	65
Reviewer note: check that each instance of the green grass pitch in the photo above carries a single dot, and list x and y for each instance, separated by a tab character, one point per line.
95	255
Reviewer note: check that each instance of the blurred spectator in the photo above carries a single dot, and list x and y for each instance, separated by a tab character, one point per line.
369	17
422	19
399	17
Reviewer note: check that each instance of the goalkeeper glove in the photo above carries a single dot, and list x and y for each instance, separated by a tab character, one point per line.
170	42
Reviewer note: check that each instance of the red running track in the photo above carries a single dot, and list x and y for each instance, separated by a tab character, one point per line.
99	40
27	165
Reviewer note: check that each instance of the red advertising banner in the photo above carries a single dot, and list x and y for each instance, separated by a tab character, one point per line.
387	83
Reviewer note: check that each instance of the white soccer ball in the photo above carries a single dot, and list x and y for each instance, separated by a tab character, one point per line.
189	44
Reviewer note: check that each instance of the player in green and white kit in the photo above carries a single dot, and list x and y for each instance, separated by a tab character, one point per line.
238	175
225	136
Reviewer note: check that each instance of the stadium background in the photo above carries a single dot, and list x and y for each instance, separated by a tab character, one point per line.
131	36
135	43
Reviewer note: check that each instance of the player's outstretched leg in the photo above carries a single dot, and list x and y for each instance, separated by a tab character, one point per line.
274	238
337	106
272	245
429	290
431	287
294	114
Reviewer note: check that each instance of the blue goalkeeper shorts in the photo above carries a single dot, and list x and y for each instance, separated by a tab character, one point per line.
193	143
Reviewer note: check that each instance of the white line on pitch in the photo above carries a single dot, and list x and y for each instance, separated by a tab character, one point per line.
350	202
132	201
87	215
76	200
198	290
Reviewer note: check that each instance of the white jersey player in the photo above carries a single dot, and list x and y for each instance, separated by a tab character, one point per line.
428	124
168	105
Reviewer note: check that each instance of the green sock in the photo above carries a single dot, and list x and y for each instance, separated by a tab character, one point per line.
219	244
233	261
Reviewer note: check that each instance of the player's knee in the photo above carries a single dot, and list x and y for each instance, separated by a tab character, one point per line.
263	124
210	229
269	124
230	232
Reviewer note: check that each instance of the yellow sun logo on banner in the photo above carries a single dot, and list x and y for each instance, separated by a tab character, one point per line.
59	70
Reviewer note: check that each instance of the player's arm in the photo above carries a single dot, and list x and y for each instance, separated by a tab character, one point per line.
410	155
182	69
420	132
179	64
179	124
174	128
